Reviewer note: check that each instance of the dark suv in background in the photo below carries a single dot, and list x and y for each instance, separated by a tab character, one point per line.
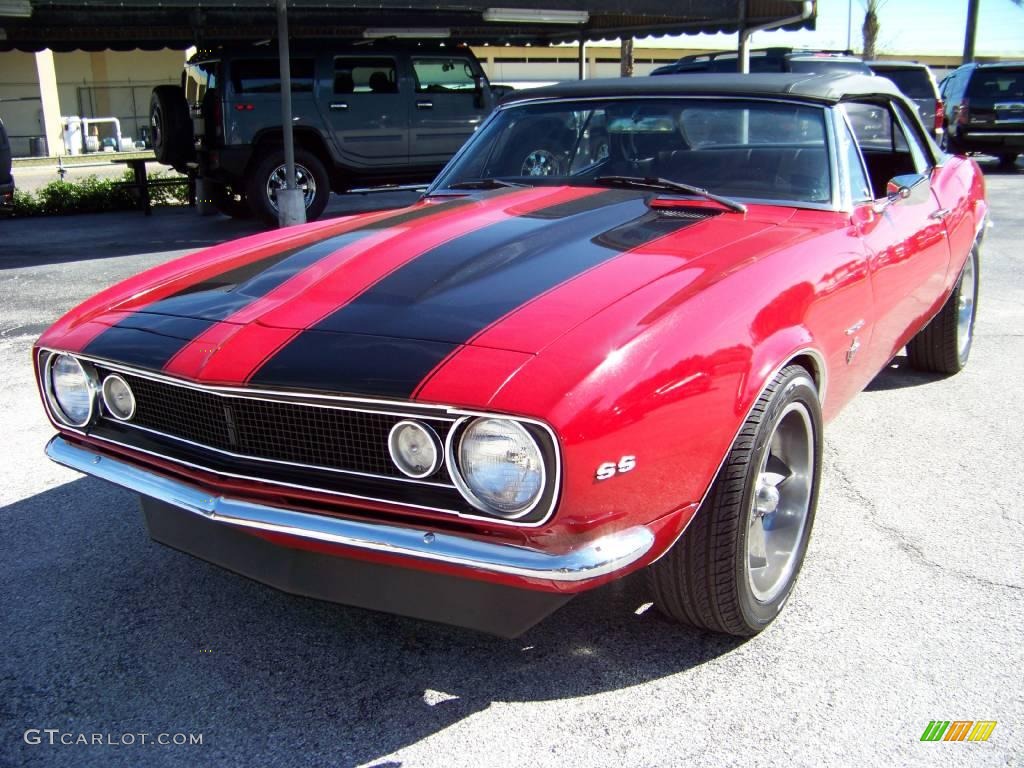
984	110
6	180
769	60
364	114
917	83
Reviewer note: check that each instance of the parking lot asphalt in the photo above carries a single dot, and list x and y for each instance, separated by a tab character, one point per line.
908	608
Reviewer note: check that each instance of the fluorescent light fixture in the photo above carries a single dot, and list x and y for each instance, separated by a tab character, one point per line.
535	16
412	33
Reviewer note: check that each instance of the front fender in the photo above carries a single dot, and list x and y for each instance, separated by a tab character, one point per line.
622	385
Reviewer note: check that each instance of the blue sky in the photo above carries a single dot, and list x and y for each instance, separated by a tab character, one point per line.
907	27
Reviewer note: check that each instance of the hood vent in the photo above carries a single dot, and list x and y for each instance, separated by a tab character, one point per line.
691	214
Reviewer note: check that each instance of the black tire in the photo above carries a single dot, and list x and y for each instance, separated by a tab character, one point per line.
703	579
948	144
940	347
1008	159
228	202
170	126
307	165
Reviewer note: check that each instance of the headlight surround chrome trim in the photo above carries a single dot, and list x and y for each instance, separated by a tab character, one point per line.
431	435
53	405
455	469
103	395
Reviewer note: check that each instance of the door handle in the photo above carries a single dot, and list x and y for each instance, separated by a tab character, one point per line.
424	105
339	105
940	214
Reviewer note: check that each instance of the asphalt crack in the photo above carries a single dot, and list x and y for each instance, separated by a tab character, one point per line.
909	547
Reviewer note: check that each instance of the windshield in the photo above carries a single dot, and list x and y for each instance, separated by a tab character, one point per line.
749	149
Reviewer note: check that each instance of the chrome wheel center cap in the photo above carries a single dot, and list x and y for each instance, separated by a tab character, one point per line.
766	499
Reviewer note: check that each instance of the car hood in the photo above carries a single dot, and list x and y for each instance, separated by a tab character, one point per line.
416	283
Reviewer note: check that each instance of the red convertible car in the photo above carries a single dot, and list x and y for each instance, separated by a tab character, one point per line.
607	338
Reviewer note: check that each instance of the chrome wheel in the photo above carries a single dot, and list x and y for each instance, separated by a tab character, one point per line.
965	308
278	179
780	504
540	162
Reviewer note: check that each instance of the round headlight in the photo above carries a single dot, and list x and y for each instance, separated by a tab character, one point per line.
71	391
501	467
413	448
118	397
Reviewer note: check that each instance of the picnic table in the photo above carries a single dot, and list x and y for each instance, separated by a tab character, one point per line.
141	183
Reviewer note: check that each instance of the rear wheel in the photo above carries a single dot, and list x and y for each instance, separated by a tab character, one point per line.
1008	159
948	144
736	565
268	176
170	126
944	345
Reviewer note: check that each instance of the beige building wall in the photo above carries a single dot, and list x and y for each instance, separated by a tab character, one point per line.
102	84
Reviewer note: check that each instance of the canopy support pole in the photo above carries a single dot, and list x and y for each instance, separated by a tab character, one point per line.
291	207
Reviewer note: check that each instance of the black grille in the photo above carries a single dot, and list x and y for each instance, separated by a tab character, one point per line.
282	431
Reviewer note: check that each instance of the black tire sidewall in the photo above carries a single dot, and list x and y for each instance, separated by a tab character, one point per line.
175	135
797	386
256	184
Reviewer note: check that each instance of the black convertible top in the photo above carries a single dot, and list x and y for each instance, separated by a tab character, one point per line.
828	88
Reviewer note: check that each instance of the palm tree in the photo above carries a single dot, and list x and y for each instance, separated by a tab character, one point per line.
871	26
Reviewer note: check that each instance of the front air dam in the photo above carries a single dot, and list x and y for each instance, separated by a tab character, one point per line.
483	606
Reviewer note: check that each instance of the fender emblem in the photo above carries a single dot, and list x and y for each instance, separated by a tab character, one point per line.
852	351
610	469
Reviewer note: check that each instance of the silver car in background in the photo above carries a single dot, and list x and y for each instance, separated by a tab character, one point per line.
917	83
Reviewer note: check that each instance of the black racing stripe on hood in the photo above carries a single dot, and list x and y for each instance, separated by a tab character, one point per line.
354	363
169	324
444	298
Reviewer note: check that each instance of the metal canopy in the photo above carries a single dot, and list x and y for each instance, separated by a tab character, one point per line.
136	24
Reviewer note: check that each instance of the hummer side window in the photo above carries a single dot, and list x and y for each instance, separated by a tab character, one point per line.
444	76
264	76
365	75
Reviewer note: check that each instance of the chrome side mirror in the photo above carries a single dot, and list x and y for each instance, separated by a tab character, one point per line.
912	187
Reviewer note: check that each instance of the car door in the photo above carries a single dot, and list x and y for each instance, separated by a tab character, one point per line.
367	112
448	105
905	233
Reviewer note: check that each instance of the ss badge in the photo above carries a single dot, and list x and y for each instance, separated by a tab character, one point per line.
610	469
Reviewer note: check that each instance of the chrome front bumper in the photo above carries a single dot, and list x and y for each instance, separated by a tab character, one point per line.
596	558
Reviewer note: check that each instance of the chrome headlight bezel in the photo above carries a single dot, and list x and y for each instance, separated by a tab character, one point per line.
430	434
106	397
453	451
50	393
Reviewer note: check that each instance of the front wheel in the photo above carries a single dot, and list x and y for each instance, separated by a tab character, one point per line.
734	568
268	175
944	345
1008	159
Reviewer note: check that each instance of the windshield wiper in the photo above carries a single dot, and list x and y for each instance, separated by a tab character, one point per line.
483	184
650	182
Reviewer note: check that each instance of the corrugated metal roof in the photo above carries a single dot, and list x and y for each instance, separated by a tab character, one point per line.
130	24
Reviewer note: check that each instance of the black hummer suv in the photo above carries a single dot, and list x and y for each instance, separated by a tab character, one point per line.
379	112
983	110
